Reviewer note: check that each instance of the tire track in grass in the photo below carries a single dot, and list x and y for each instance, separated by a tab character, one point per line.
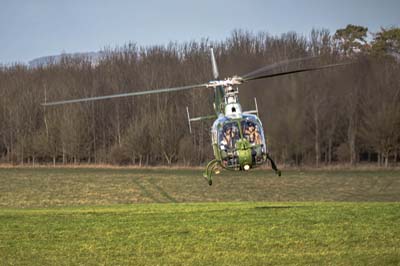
144	190
162	191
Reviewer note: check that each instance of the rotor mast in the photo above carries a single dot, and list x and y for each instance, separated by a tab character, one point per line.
227	102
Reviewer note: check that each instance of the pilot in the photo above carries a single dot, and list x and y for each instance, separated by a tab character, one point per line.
227	137
235	136
230	136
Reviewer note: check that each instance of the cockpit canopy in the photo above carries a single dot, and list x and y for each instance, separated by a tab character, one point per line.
225	131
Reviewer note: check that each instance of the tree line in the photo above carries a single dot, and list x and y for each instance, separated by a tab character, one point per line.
348	114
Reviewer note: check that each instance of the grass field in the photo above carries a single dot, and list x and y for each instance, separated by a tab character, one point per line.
86	217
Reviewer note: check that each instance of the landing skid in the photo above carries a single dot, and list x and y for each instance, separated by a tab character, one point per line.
273	165
211	167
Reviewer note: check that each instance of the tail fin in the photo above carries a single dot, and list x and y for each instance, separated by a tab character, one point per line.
214	65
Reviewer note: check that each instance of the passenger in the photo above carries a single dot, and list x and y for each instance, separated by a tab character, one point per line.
251	137
257	135
249	132
252	134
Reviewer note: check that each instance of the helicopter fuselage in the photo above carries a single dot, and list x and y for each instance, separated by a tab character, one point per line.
238	138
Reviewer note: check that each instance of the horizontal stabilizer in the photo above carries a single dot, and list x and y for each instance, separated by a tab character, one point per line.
253	111
200	118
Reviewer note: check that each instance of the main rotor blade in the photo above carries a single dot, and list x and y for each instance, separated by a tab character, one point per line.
214	64
204	85
293	71
280	64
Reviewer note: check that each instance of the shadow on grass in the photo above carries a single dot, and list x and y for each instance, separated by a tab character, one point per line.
279	207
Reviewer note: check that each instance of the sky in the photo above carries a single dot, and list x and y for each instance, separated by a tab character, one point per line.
34	28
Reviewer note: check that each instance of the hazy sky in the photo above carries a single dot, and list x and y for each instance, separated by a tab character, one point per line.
35	28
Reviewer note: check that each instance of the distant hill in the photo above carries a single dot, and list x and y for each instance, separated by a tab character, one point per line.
94	57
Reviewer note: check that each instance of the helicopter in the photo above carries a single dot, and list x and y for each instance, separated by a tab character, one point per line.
237	136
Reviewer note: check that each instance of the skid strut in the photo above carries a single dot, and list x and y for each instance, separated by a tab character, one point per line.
273	165
211	167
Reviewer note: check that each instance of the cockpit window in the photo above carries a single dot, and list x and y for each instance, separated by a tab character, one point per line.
229	134
226	132
251	131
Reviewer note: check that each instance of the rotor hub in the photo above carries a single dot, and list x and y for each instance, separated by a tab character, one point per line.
228	82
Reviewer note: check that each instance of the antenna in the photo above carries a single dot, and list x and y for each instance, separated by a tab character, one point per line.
188	116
